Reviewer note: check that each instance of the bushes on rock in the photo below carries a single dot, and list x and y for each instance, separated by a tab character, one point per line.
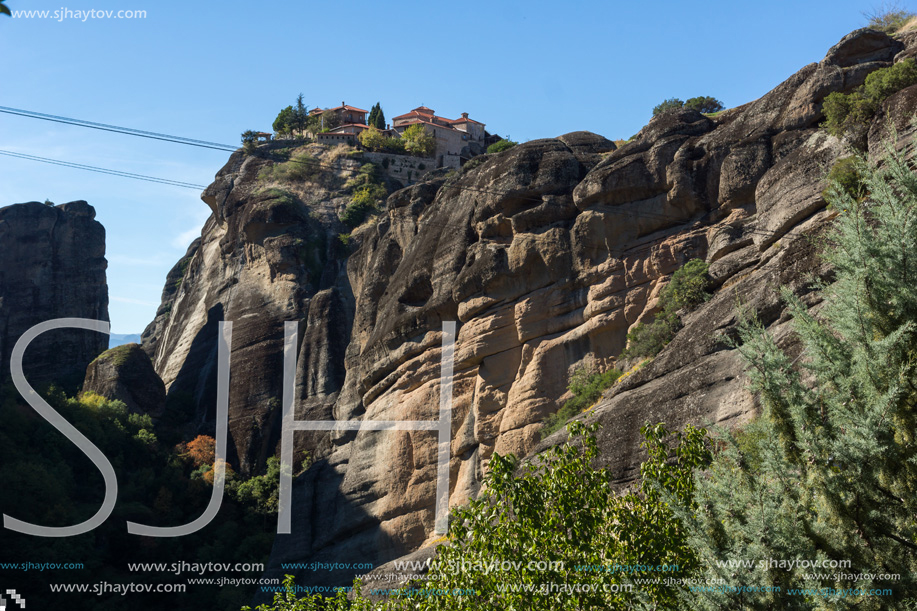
686	290
668	105
845	175
501	145
587	386
845	112
706	104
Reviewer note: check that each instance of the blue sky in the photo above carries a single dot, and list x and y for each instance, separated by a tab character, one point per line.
210	70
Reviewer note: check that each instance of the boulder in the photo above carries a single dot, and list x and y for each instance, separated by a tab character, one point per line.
125	373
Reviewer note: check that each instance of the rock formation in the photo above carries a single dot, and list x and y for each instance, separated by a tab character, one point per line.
546	255
52	265
125	373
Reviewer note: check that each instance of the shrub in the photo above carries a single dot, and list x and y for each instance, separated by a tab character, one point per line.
688	287
668	105
372	139
845	112
587	387
363	204
686	290
394	145
845	175
500	146
706	104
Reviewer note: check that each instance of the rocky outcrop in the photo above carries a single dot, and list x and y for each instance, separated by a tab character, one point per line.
125	373
52	265
546	255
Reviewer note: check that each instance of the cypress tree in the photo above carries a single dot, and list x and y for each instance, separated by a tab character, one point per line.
379	121
829	470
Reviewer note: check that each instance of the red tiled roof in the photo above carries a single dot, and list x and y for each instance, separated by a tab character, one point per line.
423	110
350	108
464	120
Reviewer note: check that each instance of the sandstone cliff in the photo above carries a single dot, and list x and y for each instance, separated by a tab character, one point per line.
52	265
546	255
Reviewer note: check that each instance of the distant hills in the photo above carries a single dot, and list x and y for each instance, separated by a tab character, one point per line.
119	339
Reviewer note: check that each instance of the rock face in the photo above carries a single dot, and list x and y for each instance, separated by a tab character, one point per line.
52	265
546	255
125	373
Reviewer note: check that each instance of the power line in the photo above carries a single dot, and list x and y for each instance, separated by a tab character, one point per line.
90	168
310	161
116	129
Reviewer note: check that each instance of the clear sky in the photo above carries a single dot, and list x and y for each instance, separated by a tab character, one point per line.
210	70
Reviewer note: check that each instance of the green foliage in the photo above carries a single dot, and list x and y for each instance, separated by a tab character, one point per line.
4	9
705	104
501	145
888	18
394	145
560	511
827	472
846	112
845	174
372	139
249	139
686	290
587	386
260	492
688	286
418	142
376	117
283	124
668	105
363	203
48	481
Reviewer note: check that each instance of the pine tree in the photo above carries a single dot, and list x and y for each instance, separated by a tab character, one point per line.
829	471
300	116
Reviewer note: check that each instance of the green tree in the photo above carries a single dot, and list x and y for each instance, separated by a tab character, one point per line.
372	139
376	117
300	118
4	9
328	120
418	141
828	471
283	124
705	104
249	140
668	105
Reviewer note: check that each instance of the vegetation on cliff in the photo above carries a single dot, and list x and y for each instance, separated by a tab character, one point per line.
825	474
686	290
846	112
